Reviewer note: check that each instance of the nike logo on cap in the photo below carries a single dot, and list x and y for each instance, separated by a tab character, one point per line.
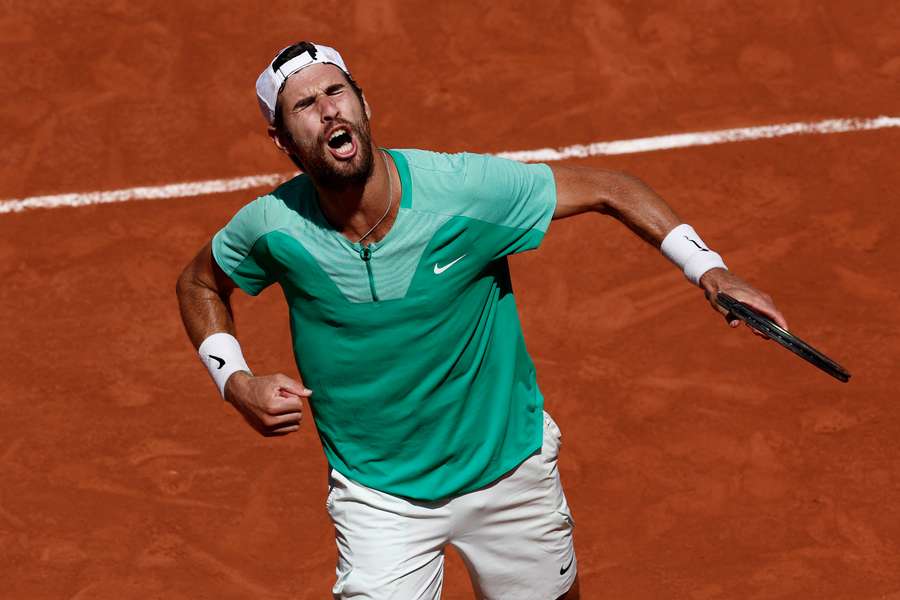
221	361
438	270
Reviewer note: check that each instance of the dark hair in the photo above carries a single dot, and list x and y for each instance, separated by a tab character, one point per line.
292	51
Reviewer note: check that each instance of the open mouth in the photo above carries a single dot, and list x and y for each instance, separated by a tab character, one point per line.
341	144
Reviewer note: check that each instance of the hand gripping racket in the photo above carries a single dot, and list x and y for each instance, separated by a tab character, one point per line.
767	326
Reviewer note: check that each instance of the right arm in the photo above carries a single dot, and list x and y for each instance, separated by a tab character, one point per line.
270	404
204	297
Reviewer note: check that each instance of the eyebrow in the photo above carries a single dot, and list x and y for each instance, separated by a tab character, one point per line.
307	100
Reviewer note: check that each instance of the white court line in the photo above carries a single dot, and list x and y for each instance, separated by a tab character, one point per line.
701	138
647	144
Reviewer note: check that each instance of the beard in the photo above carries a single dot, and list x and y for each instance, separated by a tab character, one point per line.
328	172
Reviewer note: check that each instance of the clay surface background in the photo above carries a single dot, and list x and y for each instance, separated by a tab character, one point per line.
701	463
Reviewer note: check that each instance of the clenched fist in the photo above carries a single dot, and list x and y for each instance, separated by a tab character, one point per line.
270	403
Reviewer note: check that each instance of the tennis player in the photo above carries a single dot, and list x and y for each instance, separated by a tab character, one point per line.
393	264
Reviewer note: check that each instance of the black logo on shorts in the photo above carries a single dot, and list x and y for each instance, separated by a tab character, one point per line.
562	570
221	362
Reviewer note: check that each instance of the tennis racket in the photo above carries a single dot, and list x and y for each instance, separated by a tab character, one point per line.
767	326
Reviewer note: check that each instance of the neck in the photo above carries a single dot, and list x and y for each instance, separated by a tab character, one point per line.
353	209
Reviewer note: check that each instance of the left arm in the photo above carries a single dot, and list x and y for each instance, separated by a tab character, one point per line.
631	201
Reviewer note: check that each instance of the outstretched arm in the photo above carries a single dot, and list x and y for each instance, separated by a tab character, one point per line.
270	404
638	207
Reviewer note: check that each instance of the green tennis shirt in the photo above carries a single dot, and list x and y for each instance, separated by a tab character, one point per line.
422	386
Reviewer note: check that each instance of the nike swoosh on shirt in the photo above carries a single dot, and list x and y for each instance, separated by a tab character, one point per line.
438	270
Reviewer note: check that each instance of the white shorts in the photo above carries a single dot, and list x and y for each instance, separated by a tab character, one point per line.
514	535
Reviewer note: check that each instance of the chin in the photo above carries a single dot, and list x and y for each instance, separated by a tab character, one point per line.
330	172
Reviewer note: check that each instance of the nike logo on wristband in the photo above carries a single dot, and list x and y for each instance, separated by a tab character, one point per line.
562	570
702	249
221	362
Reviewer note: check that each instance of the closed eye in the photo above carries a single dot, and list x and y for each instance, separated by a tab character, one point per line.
304	103
307	101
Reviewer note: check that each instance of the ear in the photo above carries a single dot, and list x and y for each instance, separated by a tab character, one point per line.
282	144
367	107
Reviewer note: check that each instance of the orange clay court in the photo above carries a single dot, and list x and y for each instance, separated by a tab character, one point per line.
700	462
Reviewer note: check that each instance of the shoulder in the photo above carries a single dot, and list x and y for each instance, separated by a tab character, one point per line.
277	208
426	161
465	167
439	182
457	164
285	206
471	184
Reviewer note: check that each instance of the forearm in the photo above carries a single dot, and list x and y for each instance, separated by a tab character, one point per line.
649	216
631	201
271	403
204	313
641	209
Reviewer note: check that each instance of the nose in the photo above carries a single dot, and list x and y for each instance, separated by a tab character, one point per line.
328	108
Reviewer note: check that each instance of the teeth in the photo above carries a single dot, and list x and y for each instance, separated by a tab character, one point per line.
336	133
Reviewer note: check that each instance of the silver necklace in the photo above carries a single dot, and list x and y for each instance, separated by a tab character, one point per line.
389	202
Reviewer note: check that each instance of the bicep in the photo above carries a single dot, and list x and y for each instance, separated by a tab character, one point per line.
586	189
203	297
617	194
205	272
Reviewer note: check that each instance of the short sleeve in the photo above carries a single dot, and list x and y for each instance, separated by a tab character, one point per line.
518	198
239	250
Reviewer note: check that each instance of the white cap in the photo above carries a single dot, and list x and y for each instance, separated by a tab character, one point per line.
271	80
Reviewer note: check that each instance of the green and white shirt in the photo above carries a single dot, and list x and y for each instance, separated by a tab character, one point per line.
422	384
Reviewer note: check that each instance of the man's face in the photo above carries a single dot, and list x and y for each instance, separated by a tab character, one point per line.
328	125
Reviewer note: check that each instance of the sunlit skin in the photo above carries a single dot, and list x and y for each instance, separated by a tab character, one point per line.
353	190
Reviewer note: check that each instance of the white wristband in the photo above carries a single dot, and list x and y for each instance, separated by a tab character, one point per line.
684	247
221	353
